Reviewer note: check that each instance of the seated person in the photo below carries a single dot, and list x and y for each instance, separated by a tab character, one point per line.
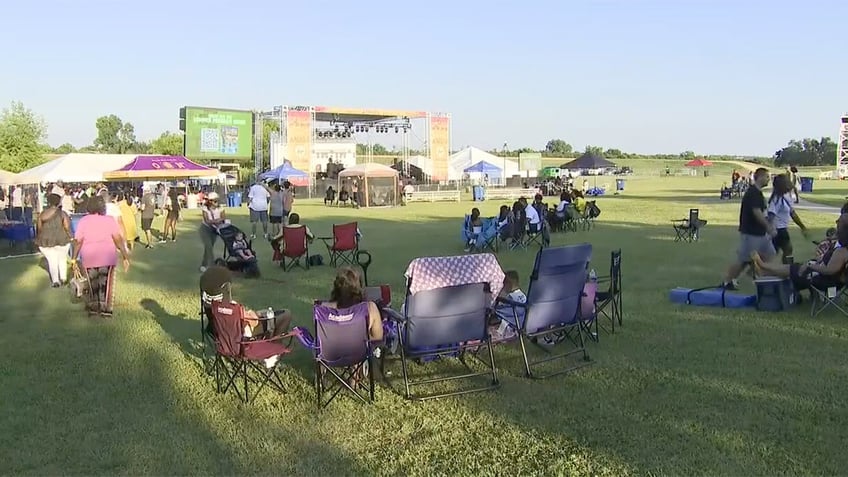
829	242
579	202
829	272
475	226
534	222
216	285
330	197
504	312
344	196
241	249
348	291
294	222
564	202
505	222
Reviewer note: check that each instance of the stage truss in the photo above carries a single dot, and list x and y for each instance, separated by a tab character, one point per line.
842	144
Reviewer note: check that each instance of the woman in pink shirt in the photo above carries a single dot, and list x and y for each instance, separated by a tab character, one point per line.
97	242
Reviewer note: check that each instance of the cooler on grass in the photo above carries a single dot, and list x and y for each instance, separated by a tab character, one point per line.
775	294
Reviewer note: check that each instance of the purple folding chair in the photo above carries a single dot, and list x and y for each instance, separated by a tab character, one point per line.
343	352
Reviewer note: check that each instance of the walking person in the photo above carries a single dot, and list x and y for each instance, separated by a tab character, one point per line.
780	212
128	211
213	218
755	230
258	206
53	238
148	212
275	210
172	208
288	201
98	239
17	203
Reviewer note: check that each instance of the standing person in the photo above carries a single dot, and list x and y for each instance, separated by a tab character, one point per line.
258	196
354	194
755	230
17	203
213	217
795	181
780	212
97	242
128	211
275	210
53	237
288	201
172	206
148	212
3	201
112	210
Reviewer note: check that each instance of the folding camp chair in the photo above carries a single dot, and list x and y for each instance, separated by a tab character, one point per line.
445	322
344	244
295	248
254	361
343	353
519	234
486	240
608	302
553	312
823	298
207	333
688	230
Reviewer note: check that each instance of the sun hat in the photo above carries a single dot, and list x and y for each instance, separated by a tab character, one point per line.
212	196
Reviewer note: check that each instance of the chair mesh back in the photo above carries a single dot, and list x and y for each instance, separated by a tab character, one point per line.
342	334
693	216
344	236
229	328
295	241
382	295
549	260
615	271
556	286
446	316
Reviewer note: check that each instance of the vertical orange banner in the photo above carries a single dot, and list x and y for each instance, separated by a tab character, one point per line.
298	139
440	146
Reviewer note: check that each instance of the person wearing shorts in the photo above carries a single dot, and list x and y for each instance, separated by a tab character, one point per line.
780	213
148	212
275	210
258	205
755	230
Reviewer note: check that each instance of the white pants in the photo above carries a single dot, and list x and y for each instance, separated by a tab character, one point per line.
57	262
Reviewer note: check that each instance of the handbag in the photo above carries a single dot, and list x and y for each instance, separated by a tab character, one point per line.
79	284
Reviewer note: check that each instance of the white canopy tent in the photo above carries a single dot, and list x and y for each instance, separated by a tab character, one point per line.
76	167
459	161
422	162
7	177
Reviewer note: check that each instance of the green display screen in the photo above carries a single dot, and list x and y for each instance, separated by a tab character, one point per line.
218	134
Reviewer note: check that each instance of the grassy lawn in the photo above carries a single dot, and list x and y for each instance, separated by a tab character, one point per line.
679	390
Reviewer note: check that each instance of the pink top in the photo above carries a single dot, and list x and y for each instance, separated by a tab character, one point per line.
98	248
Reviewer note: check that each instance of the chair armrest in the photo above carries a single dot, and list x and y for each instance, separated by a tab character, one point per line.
512	303
393	315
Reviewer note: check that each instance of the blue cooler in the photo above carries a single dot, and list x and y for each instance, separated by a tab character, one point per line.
775	294
478	193
806	184
619	185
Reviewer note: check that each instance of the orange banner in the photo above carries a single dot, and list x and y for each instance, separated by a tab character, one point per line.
298	139
440	146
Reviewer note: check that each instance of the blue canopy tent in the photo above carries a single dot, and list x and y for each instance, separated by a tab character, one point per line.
484	168
286	173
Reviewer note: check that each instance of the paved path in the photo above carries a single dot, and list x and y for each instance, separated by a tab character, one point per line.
812	206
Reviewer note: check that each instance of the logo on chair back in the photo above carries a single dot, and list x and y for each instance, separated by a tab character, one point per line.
225	311
340	318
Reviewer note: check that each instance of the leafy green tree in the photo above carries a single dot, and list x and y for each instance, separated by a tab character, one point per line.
115	136
687	155
807	152
614	153
22	138
168	144
66	148
558	147
594	150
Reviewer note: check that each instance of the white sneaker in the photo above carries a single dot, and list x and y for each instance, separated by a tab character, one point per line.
253	237
202	269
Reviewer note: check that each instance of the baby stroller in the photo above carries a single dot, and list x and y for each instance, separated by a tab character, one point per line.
250	268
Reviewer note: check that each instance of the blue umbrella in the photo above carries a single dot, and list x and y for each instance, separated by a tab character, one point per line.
284	173
483	167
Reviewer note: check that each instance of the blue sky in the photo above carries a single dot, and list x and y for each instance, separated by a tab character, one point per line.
643	76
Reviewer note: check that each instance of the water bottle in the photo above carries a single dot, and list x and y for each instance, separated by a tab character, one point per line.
593	277
270	313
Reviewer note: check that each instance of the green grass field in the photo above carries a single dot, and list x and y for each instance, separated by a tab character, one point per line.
678	391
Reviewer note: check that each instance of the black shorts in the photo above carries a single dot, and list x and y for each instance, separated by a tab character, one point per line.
781	241
275	219
146	224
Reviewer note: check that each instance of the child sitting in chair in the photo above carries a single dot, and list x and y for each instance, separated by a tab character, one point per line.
505	313
475	226
242	250
823	247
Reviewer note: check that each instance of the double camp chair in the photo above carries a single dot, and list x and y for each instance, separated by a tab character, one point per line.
689	229
486	240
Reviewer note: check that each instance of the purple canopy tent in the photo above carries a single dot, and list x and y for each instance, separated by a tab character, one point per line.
160	167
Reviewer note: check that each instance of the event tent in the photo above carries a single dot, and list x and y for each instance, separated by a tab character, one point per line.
588	161
699	162
160	167
286	172
378	184
484	167
76	167
459	161
7	177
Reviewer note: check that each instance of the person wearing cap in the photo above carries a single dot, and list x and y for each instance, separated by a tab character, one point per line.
214	217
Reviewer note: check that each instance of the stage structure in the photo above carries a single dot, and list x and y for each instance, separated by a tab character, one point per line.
842	147
312	136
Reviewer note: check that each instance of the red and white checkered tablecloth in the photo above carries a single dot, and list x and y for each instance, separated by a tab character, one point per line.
430	273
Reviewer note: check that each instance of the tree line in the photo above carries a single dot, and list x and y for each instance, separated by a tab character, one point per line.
23	144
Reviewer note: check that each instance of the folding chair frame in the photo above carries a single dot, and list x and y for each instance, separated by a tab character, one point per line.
346	256
233	368
341	378
288	263
460	349
611	306
688	230
207	339
821	301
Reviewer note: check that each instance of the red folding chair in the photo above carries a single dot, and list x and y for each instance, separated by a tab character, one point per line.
249	360
344	244
295	248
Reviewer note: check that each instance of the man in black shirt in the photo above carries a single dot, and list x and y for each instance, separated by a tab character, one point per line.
755	231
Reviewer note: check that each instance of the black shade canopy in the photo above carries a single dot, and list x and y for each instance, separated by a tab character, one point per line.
588	161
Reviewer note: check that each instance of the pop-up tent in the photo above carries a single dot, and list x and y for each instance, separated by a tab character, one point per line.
76	167
160	167
286	173
7	177
588	161
377	184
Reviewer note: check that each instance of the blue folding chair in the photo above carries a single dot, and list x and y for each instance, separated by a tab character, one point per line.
553	311
444	322
486	240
